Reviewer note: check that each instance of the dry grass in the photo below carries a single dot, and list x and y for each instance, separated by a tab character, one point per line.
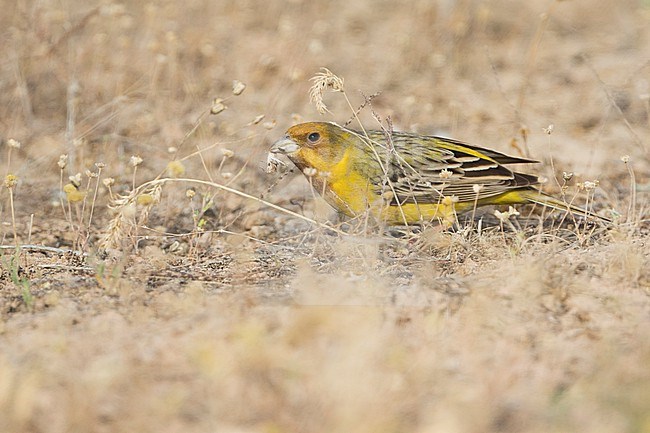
155	288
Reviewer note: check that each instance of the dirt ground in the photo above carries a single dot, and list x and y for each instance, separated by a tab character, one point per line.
163	281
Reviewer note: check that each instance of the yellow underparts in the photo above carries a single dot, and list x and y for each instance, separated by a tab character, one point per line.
445	211
350	193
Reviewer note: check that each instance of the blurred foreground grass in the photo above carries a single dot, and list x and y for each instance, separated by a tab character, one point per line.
214	312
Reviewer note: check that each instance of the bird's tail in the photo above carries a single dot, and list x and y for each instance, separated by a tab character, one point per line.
538	197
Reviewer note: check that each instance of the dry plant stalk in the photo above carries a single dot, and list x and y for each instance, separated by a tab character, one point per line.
148	194
10	183
124	206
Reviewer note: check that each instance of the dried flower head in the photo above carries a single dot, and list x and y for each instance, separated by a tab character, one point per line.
625	158
324	80
217	106
100	165
145	199
504	216
175	169
238	87
10	181
108	182
449	200
135	160
72	193
14	144
477	188
445	174
567	176
75	180
549	129
590	185
190	193
227	153
310	171
63	161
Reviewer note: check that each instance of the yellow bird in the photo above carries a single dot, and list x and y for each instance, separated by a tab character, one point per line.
403	178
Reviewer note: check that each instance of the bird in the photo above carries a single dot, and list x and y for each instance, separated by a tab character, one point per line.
403	178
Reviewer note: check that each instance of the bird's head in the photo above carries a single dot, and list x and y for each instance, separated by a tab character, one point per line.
318	145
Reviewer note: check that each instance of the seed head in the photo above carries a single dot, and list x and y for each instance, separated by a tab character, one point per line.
445	174
145	200
512	211
175	169
324	80
449	200
75	180
504	216
11	181
135	160
13	143
217	106
63	161
72	193
238	87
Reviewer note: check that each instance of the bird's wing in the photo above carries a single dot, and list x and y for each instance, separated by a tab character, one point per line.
424	169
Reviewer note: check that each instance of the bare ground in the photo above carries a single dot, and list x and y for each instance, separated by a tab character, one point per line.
211	311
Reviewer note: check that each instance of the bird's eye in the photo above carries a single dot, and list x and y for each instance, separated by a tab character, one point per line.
313	137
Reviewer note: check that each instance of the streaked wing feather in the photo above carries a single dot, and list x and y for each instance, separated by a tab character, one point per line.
415	167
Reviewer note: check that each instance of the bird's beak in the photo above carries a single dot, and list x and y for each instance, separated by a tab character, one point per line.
284	145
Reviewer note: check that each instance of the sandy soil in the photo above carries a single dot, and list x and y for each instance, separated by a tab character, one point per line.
187	307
